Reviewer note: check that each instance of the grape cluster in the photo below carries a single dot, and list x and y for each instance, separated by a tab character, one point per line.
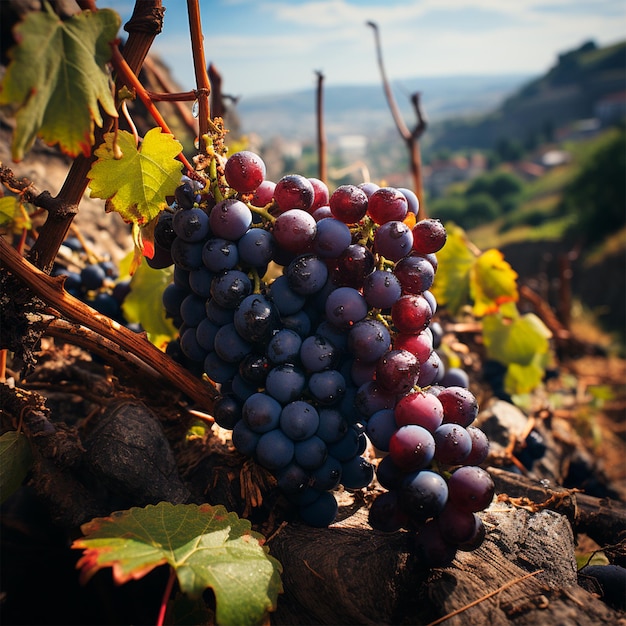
312	310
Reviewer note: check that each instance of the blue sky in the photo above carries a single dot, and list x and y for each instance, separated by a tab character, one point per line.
276	46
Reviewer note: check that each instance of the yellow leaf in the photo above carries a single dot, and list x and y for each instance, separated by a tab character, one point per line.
493	283
136	185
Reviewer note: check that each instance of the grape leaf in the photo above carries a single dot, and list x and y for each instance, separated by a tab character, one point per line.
521	379
13	215
15	460
57	77
515	340
206	545
137	183
144	305
451	289
493	283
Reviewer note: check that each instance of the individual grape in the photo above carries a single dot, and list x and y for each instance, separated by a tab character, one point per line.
353	265
369	188
306	274
345	307
220	254
254	368
261	412
217	314
227	411
192	309
421	409
322	213
397	371
285	299
191	225
432	370
242	388
230	345
190	346
429	236
106	304
161	258
274	450
455	377
321	194
471	488
229	288
356	473
411	313
416	275
380	427
244	439
386	514
199	281
423	494
420	344
256	318
263	194
348	204
332	237
230	219
453	444
459	405
92	277
413	203
295	230
389	475
327	387
387	204
185	194
244	171
311	453
172	298
431	547
292	480
347	447
332	425
284	346
218	370
299	420
361	372
381	289
412	447
328	476
187	256
480	446
371	397
393	240
285	383
256	247
477	538
432	301
317	353
336	336
294	192
299	322
321	512
457	526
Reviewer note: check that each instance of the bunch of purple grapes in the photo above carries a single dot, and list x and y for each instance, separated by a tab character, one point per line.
311	311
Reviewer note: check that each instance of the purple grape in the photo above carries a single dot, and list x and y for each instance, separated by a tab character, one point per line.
191	225
368	340
453	444
294	230
244	171
387	204
348	204
381	289
412	447
421	409
471	488
230	219
416	275
397	371
459	405
423	494
294	192
332	238
345	307
393	240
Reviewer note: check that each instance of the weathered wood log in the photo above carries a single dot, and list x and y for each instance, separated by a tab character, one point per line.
524	573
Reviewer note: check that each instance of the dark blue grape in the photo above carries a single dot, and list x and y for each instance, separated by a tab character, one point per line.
229	288
356	473
321	512
256	318
285	383
274	450
311	453
261	412
299	420
327	387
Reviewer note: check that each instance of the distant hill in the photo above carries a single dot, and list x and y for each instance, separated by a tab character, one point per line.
352	110
570	91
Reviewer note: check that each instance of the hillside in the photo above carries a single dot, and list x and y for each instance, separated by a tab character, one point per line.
359	109
572	90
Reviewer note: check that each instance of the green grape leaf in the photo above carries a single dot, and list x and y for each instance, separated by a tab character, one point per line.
57	77
451	288
493	283
144	305
16	460
522	379
515	340
136	183
206	545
